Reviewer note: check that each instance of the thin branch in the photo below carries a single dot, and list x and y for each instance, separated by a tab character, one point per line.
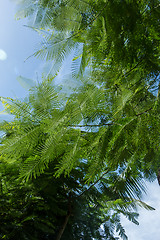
92	185
95	125
127	73
108	124
144	111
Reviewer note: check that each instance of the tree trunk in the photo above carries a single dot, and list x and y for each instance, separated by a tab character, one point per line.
61	231
63	227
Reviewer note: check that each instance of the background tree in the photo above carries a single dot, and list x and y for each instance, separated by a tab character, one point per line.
124	38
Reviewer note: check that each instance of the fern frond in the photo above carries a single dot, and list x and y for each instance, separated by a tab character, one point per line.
32	168
16	107
26	137
69	160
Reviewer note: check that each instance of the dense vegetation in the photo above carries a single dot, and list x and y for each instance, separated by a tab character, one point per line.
74	160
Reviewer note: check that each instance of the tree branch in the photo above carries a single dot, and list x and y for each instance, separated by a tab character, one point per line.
144	112
92	185
127	73
61	231
63	226
95	125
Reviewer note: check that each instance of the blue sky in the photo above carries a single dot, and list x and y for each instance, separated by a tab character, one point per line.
19	42
148	228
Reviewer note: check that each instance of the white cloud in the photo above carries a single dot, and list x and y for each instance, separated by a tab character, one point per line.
148	220
3	55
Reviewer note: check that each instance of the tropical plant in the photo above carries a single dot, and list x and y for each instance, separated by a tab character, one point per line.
88	153
99	31
61	169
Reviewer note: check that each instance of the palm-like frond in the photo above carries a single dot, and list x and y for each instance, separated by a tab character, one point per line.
104	137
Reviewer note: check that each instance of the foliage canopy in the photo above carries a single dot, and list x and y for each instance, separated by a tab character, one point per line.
77	161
